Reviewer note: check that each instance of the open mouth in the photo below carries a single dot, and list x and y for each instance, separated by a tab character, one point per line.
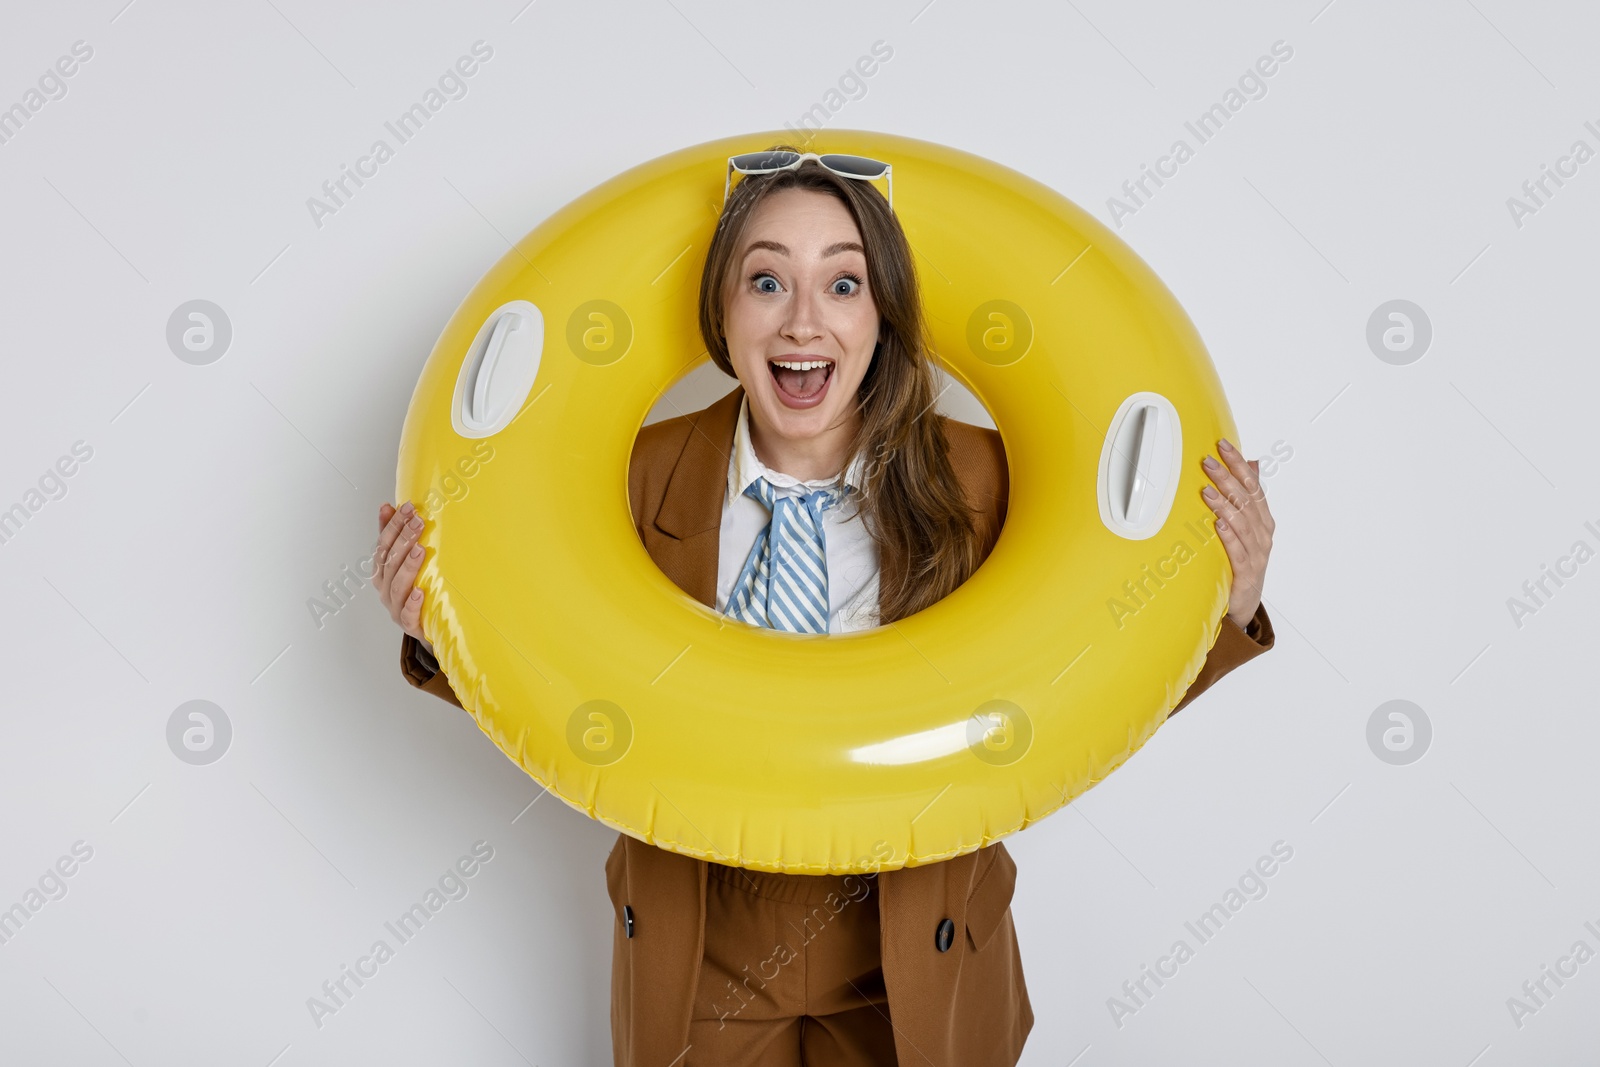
801	381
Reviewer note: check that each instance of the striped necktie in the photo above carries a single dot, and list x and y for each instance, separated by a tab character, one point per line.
784	583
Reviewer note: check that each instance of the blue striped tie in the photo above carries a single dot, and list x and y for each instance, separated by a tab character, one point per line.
784	583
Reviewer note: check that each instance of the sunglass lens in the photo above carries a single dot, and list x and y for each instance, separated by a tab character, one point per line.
860	166
756	162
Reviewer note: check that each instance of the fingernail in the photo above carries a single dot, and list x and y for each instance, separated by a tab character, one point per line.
416	550
416	594
1209	493
1211	464
406	508
1226	444
1222	524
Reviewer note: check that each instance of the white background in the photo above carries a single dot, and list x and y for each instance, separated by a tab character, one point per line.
219	499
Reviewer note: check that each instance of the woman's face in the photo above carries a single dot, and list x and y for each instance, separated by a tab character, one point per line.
798	294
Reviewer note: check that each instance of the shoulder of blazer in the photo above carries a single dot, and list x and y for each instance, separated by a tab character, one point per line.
655	454
976	454
979	460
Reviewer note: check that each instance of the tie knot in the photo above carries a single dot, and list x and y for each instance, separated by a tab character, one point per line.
816	501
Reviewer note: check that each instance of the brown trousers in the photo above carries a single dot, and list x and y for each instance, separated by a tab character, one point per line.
791	973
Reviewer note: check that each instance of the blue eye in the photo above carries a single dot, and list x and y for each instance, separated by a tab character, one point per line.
852	282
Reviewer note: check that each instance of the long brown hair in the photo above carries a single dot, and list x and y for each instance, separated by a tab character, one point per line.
912	502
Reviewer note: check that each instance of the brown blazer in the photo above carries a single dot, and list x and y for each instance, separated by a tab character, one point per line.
966	1008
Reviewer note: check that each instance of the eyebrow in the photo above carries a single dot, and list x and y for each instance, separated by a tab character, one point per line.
783	250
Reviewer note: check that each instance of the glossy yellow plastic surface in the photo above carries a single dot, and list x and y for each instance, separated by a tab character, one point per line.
896	746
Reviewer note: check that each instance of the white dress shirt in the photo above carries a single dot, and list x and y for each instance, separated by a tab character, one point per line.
851	553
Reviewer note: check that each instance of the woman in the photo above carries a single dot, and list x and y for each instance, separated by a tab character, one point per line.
809	298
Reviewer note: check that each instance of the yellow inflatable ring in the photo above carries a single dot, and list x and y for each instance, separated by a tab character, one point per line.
896	746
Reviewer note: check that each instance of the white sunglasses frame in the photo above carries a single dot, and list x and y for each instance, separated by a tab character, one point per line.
888	172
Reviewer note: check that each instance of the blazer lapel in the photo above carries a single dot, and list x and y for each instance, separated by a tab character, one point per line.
685	535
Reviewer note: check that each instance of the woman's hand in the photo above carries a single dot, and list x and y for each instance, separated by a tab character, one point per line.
399	558
1244	524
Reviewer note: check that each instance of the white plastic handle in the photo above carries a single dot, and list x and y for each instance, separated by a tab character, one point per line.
498	369
479	413
1140	461
1138	481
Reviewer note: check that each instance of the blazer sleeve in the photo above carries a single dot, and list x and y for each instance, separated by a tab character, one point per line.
422	671
1235	647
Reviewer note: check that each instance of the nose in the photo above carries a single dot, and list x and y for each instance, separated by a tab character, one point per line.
803	322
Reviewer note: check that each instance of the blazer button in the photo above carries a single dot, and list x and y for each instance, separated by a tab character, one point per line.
945	936
627	919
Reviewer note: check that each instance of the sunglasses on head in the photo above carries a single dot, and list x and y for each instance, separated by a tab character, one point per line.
858	167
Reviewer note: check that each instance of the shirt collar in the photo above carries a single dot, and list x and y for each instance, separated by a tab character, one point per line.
745	467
